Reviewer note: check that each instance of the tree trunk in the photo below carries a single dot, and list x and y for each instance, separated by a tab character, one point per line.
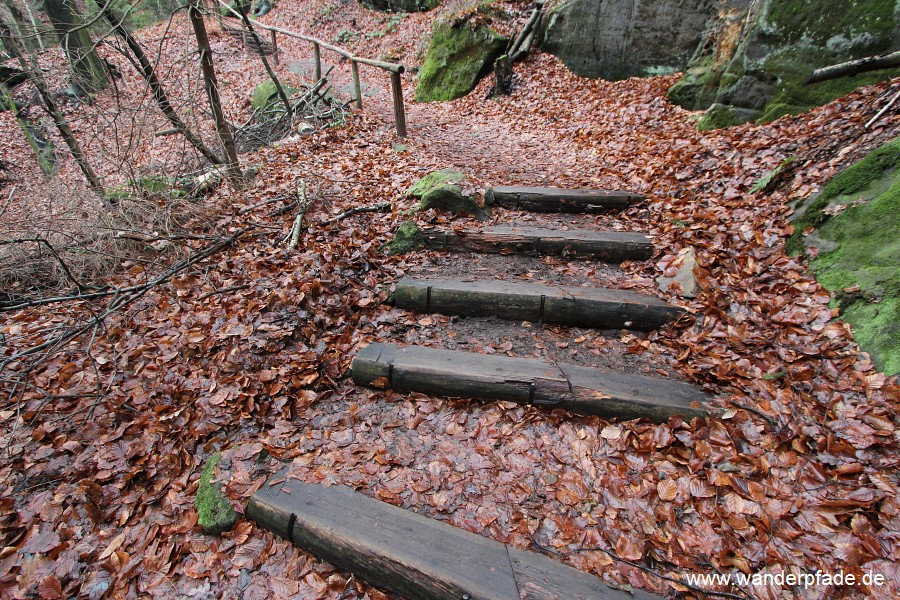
89	73
159	94
233	167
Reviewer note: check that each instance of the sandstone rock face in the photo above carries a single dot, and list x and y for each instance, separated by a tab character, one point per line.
756	55
616	39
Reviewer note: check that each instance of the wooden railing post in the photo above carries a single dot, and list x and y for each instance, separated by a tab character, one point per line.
399	113
244	35
274	47
357	87
317	57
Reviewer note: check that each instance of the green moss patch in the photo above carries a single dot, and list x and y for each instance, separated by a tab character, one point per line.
439	190
723	115
407	238
859	250
266	94
215	513
401	6
461	52
433	180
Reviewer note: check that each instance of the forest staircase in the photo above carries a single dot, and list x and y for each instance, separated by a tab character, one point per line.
417	557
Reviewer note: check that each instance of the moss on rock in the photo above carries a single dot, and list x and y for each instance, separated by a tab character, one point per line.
438	190
266	93
407	238
214	511
460	54
434	179
723	115
782	43
859	250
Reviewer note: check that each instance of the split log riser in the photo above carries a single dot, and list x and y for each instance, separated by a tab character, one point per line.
525	381
576	307
539	243
411	555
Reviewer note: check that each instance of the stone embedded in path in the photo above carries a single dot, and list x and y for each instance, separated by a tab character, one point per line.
549	199
598	308
411	555
582	390
609	246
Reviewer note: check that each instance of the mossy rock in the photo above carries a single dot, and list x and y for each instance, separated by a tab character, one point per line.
266	94
215	513
434	179
461	52
786	40
438	190
407	238
723	115
401	6
859	250
450	198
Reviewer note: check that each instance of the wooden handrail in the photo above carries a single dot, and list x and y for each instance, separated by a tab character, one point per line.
395	69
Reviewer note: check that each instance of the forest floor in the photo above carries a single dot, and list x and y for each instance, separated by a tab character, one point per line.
248	352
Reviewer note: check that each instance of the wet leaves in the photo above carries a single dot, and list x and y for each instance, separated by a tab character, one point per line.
249	354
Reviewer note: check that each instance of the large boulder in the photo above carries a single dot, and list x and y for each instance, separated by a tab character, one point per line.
400	6
756	56
851	232
462	51
616	39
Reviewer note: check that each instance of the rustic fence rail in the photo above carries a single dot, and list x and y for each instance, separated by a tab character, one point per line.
395	69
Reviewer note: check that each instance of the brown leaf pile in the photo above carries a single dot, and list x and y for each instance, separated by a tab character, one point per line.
249	352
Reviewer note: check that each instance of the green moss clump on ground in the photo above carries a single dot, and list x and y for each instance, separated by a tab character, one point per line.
407	238
460	54
862	245
723	115
434	179
266	93
215	513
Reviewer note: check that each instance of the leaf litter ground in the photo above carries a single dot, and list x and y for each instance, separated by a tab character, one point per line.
249	353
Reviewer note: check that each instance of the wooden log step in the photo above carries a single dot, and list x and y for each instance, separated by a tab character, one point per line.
550	199
582	390
609	246
598	308
411	555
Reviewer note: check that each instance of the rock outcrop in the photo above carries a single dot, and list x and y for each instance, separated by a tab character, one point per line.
616	39
851	233
462	51
756	55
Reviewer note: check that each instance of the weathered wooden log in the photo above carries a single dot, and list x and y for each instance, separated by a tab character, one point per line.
562	305
855	67
411	555
549	199
609	246
580	390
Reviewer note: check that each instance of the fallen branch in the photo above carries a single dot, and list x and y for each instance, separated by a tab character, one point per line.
297	228
355	211
854	67
883	110
127	294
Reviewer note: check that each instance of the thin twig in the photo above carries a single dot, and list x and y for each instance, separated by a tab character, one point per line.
355	211
775	424
883	110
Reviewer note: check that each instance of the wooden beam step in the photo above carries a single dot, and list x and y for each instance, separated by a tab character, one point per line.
609	246
551	199
582	390
411	555
599	308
